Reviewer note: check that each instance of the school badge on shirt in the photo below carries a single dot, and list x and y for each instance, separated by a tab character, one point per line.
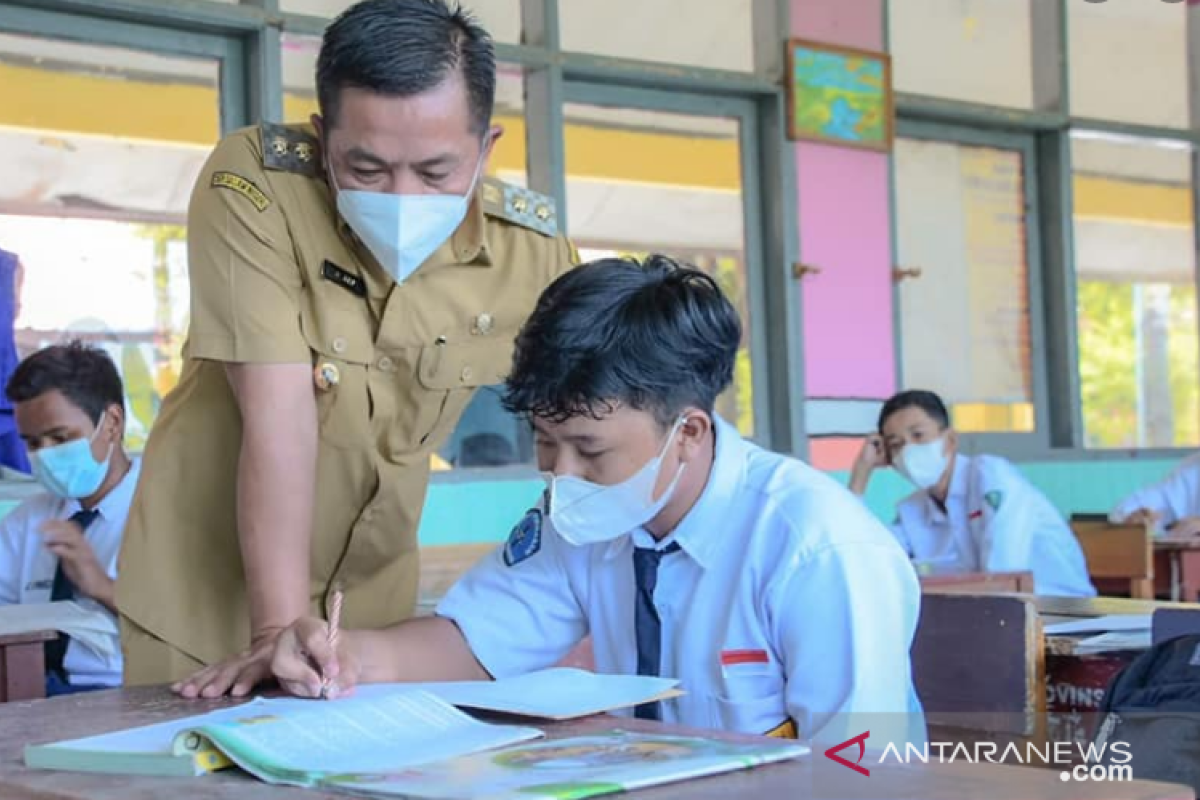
525	539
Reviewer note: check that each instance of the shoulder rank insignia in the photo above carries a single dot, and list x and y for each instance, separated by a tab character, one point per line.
525	539
520	206
290	149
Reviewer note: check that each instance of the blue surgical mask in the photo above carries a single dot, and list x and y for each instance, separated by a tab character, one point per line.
403	230
69	469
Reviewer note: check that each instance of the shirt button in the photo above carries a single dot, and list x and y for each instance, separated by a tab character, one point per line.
386	364
466	373
339	345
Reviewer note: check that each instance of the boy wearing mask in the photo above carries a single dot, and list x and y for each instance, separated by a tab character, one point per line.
779	603
969	513
62	544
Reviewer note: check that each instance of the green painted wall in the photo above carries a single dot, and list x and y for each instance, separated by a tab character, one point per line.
485	511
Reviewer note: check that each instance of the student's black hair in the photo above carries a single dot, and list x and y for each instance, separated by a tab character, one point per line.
656	336
403	48
84	374
928	402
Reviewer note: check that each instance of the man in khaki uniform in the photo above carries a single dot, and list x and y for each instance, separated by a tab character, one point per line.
353	282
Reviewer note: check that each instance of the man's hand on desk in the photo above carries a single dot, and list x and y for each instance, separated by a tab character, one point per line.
237	675
305	659
1143	516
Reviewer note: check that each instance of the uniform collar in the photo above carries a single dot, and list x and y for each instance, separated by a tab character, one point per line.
116	503
696	533
957	491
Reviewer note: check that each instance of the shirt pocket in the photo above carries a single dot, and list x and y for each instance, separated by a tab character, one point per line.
751	698
340	358
450	373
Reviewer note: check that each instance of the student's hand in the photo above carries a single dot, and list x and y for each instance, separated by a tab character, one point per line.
871	457
66	540
237	675
303	657
1143	516
1186	528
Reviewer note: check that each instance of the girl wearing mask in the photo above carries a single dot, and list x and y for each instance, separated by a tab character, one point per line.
969	513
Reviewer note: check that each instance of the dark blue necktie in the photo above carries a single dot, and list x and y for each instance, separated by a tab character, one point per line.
63	589
646	623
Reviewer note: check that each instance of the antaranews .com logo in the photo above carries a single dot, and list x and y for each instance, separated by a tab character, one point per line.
1078	761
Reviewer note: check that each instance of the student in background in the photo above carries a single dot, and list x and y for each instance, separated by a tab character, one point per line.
1173	505
12	277
969	513
62	544
685	551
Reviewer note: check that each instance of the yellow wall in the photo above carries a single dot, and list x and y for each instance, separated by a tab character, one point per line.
184	114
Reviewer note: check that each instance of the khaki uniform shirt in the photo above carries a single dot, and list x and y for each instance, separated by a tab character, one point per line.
277	278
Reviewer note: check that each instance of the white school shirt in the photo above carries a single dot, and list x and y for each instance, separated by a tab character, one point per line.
27	567
995	521
1176	497
787	600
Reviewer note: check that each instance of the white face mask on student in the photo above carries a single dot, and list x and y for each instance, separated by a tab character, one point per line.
924	464
403	230
586	513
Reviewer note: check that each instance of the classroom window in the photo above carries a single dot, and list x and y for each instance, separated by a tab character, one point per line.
979	51
1128	61
964	281
102	145
717	34
1136	292
501	18
641	182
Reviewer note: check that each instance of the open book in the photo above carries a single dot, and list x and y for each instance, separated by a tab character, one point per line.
153	750
290	741
571	768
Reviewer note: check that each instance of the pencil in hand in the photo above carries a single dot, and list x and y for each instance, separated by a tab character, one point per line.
334	613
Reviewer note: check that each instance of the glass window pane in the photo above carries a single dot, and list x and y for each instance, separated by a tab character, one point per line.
1135	262
501	18
1128	61
965	319
102	146
717	33
974	50
625	167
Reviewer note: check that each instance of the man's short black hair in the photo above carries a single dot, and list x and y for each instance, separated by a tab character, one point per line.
403	48
928	402
655	336
84	374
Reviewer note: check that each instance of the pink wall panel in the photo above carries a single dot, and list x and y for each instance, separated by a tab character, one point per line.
853	23
844	231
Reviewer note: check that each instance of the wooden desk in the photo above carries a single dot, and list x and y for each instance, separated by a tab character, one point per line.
979	583
23	665
1101	606
98	712
1179	561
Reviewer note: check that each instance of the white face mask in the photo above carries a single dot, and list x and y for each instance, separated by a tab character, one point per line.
403	230
924	464
586	513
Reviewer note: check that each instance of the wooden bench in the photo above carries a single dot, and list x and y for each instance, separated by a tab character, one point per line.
979	583
1121	554
1004	701
23	665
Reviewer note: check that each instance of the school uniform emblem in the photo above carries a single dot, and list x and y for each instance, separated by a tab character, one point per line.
525	539
993	499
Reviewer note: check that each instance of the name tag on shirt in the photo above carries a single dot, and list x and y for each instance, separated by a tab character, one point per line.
40	586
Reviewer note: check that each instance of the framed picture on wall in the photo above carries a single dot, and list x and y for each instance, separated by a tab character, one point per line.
839	95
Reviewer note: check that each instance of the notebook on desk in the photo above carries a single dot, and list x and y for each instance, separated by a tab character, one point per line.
557	694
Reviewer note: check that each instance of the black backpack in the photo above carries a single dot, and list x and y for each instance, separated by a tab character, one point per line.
1153	704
